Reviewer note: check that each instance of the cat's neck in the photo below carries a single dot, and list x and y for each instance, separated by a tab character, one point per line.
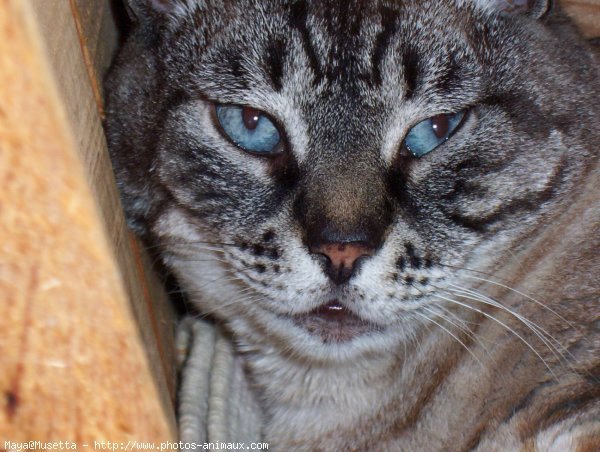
309	400
296	394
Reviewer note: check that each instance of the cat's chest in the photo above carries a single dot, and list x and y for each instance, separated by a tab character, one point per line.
302	402
424	397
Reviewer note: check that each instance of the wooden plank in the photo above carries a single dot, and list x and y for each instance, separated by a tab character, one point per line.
586	13
98	38
70	60
73	365
98	31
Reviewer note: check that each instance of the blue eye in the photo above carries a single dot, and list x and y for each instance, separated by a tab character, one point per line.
429	134
249	128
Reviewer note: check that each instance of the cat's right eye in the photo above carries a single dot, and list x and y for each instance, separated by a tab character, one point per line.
249	128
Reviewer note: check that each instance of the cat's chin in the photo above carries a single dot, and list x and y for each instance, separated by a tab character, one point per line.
333	323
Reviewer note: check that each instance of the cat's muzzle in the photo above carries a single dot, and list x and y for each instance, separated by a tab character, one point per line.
334	323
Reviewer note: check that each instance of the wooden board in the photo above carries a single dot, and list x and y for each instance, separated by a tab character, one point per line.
98	38
586	13
74	366
80	53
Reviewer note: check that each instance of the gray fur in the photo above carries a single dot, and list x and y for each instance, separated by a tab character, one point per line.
346	81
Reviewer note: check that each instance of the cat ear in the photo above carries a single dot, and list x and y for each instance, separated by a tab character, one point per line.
141	10
533	8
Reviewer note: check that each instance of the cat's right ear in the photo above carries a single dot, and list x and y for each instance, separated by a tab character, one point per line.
533	8
145	11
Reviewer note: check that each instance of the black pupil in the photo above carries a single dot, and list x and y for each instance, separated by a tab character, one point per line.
440	126
250	116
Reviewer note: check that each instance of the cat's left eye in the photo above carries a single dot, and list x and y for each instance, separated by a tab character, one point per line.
429	134
249	128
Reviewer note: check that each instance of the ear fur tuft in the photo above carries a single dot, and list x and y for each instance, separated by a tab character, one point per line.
534	8
140	10
164	6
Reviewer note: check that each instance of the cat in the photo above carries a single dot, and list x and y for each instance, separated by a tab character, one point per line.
391	205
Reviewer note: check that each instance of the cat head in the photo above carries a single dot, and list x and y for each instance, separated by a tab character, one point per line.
320	173
157	16
142	9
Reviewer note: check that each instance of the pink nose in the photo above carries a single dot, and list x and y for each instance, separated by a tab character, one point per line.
342	258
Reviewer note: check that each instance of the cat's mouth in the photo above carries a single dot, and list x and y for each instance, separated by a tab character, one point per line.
334	323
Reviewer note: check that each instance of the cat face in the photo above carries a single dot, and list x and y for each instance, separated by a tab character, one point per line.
317	174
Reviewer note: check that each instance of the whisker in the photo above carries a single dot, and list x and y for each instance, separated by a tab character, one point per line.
456	267
200	261
452	335
204	312
461	324
448	319
464	328
451	300
209	312
190	242
199	292
179	255
505	286
485	299
541	333
458	319
225	278
526	296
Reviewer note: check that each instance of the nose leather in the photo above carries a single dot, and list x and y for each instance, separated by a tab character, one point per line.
342	258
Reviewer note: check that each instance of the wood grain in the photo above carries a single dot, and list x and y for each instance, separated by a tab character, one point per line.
78	67
586	14
73	364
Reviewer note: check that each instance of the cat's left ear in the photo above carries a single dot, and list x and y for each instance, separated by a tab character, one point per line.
533	8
